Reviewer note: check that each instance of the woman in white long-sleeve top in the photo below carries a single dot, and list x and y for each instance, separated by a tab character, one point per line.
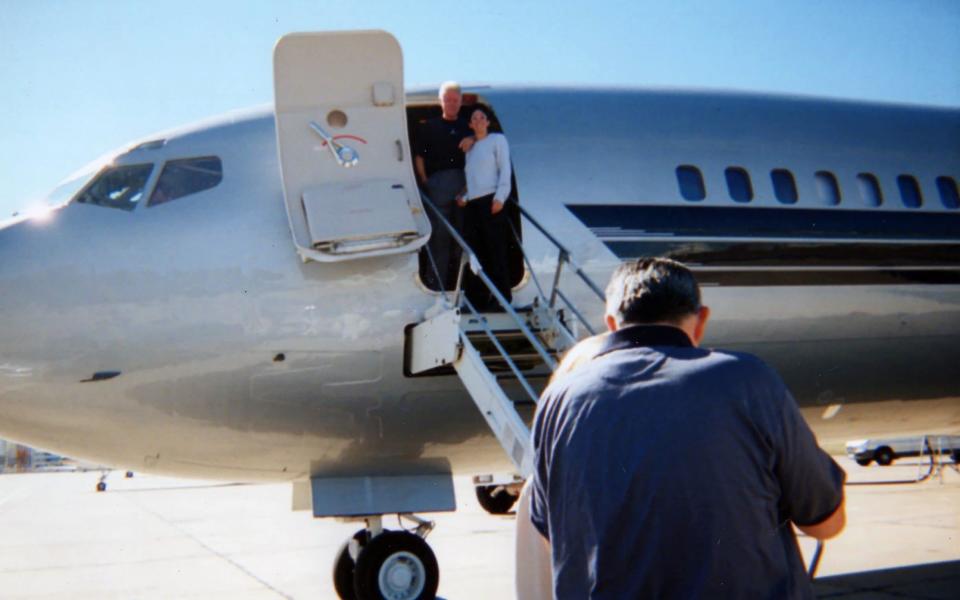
484	221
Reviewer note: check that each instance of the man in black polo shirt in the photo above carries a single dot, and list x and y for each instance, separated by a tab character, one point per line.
665	470
439	161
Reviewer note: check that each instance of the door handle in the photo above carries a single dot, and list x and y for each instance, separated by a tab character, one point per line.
345	156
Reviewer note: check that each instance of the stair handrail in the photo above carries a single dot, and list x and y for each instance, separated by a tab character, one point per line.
503	352
565	255
470	256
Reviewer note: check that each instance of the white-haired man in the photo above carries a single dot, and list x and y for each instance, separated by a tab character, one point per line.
439	161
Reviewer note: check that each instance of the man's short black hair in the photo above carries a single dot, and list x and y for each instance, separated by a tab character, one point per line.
652	290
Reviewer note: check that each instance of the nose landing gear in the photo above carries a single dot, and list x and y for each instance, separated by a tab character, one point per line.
376	564
102	482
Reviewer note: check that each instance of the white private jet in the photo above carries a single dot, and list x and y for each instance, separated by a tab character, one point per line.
244	299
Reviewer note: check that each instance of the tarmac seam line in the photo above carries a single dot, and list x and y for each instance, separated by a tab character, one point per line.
211	550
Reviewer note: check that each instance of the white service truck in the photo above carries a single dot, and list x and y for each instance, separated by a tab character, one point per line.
886	450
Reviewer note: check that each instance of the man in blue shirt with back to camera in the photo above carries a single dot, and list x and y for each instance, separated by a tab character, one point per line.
666	470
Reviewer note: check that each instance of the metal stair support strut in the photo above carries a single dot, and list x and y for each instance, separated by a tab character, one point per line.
445	339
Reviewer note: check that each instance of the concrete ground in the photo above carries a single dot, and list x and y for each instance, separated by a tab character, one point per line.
151	537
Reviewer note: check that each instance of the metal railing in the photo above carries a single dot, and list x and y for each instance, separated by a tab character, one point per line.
468	256
815	560
459	300
563	258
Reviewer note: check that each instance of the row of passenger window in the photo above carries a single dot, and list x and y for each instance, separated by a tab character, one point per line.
123	187
740	187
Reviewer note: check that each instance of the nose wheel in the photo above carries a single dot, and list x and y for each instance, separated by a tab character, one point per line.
387	565
396	565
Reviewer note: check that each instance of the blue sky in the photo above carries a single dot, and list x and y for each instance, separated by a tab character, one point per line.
80	78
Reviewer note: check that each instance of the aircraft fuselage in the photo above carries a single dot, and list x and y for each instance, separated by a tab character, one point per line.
190	338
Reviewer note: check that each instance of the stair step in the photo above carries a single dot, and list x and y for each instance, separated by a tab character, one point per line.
498	322
515	357
506	334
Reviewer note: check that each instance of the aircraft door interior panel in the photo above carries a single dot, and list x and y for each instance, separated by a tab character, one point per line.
358	216
345	161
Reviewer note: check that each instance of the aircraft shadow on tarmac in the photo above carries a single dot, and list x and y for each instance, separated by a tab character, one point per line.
933	581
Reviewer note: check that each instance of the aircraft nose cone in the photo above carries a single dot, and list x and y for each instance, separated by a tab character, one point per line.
14	370
32	277
22	267
38	278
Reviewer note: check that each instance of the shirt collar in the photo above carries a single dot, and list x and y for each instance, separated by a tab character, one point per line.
634	336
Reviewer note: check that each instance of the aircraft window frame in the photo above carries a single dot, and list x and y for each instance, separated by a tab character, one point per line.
828	188
949	195
126	199
69	189
910	193
784	186
870	191
177	167
739	185
690	183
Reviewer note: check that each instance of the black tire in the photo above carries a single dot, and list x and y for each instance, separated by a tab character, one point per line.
864	462
102	486
956	456
396	565
343	567
495	499
129	475
883	456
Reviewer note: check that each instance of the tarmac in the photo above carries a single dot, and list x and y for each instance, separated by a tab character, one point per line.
151	537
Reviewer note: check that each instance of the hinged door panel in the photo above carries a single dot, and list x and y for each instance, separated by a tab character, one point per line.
344	154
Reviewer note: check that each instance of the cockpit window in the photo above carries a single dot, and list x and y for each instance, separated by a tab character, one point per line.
119	187
186	176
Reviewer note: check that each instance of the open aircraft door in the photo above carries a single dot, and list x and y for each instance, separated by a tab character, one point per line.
344	154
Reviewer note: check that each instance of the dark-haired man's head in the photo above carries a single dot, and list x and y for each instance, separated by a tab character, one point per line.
656	291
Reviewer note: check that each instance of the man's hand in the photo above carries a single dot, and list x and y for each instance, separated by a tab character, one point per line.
420	168
461	201
467	143
496	206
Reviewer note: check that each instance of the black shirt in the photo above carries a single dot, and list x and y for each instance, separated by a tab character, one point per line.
438	142
668	471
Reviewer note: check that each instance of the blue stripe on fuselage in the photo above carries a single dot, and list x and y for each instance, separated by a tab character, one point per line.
615	220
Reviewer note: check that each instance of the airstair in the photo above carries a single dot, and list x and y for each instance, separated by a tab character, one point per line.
519	347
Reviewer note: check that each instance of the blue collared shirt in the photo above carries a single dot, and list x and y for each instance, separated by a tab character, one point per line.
668	471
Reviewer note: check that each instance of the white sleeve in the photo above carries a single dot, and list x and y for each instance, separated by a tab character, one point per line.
534	567
502	154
